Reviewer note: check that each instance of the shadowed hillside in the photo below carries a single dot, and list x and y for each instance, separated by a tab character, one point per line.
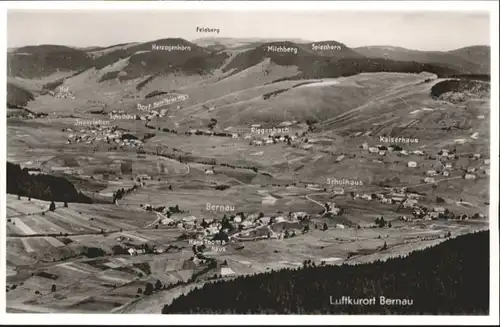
39	61
479	54
44	60
17	96
41	186
450	278
469	60
478	88
146	61
323	64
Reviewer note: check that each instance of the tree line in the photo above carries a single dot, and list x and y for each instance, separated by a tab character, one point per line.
41	186
450	278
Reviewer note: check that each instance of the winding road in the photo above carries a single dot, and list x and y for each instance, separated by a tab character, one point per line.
318	203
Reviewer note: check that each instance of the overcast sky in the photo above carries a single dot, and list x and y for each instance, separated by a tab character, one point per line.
414	30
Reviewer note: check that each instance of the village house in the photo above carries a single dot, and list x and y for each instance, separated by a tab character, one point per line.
313	187
373	149
144	177
299	215
470	176
443	153
418	152
168	221
432	216
471	169
386	201
412	164
446	173
339	158
209	172
410	203
279	219
486	161
429	180
247	224
405	218
398	199
439	209
448	165
431	173
403	152
365	146
338	191
211	230
248	137
477	156
382	153
366	197
189	219
335	210
339	226
160	250
234	135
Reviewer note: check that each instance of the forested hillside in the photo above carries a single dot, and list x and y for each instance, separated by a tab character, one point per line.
17	96
450	278
41	186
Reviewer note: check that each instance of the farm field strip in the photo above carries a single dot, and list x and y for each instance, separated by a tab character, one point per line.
99	224
27	246
24	209
38	226
115	223
114	279
52	226
80	267
134	237
23	227
54	242
81	225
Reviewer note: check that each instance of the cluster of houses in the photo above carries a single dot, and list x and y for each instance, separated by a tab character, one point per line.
394	195
208	228
332	209
63	93
260	141
270	139
438	213
108	134
152	114
442	156
382	150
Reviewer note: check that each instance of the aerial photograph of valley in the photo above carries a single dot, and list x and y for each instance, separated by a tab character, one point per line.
204	162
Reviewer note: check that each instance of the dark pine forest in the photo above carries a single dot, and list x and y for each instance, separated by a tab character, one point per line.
450	278
43	187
